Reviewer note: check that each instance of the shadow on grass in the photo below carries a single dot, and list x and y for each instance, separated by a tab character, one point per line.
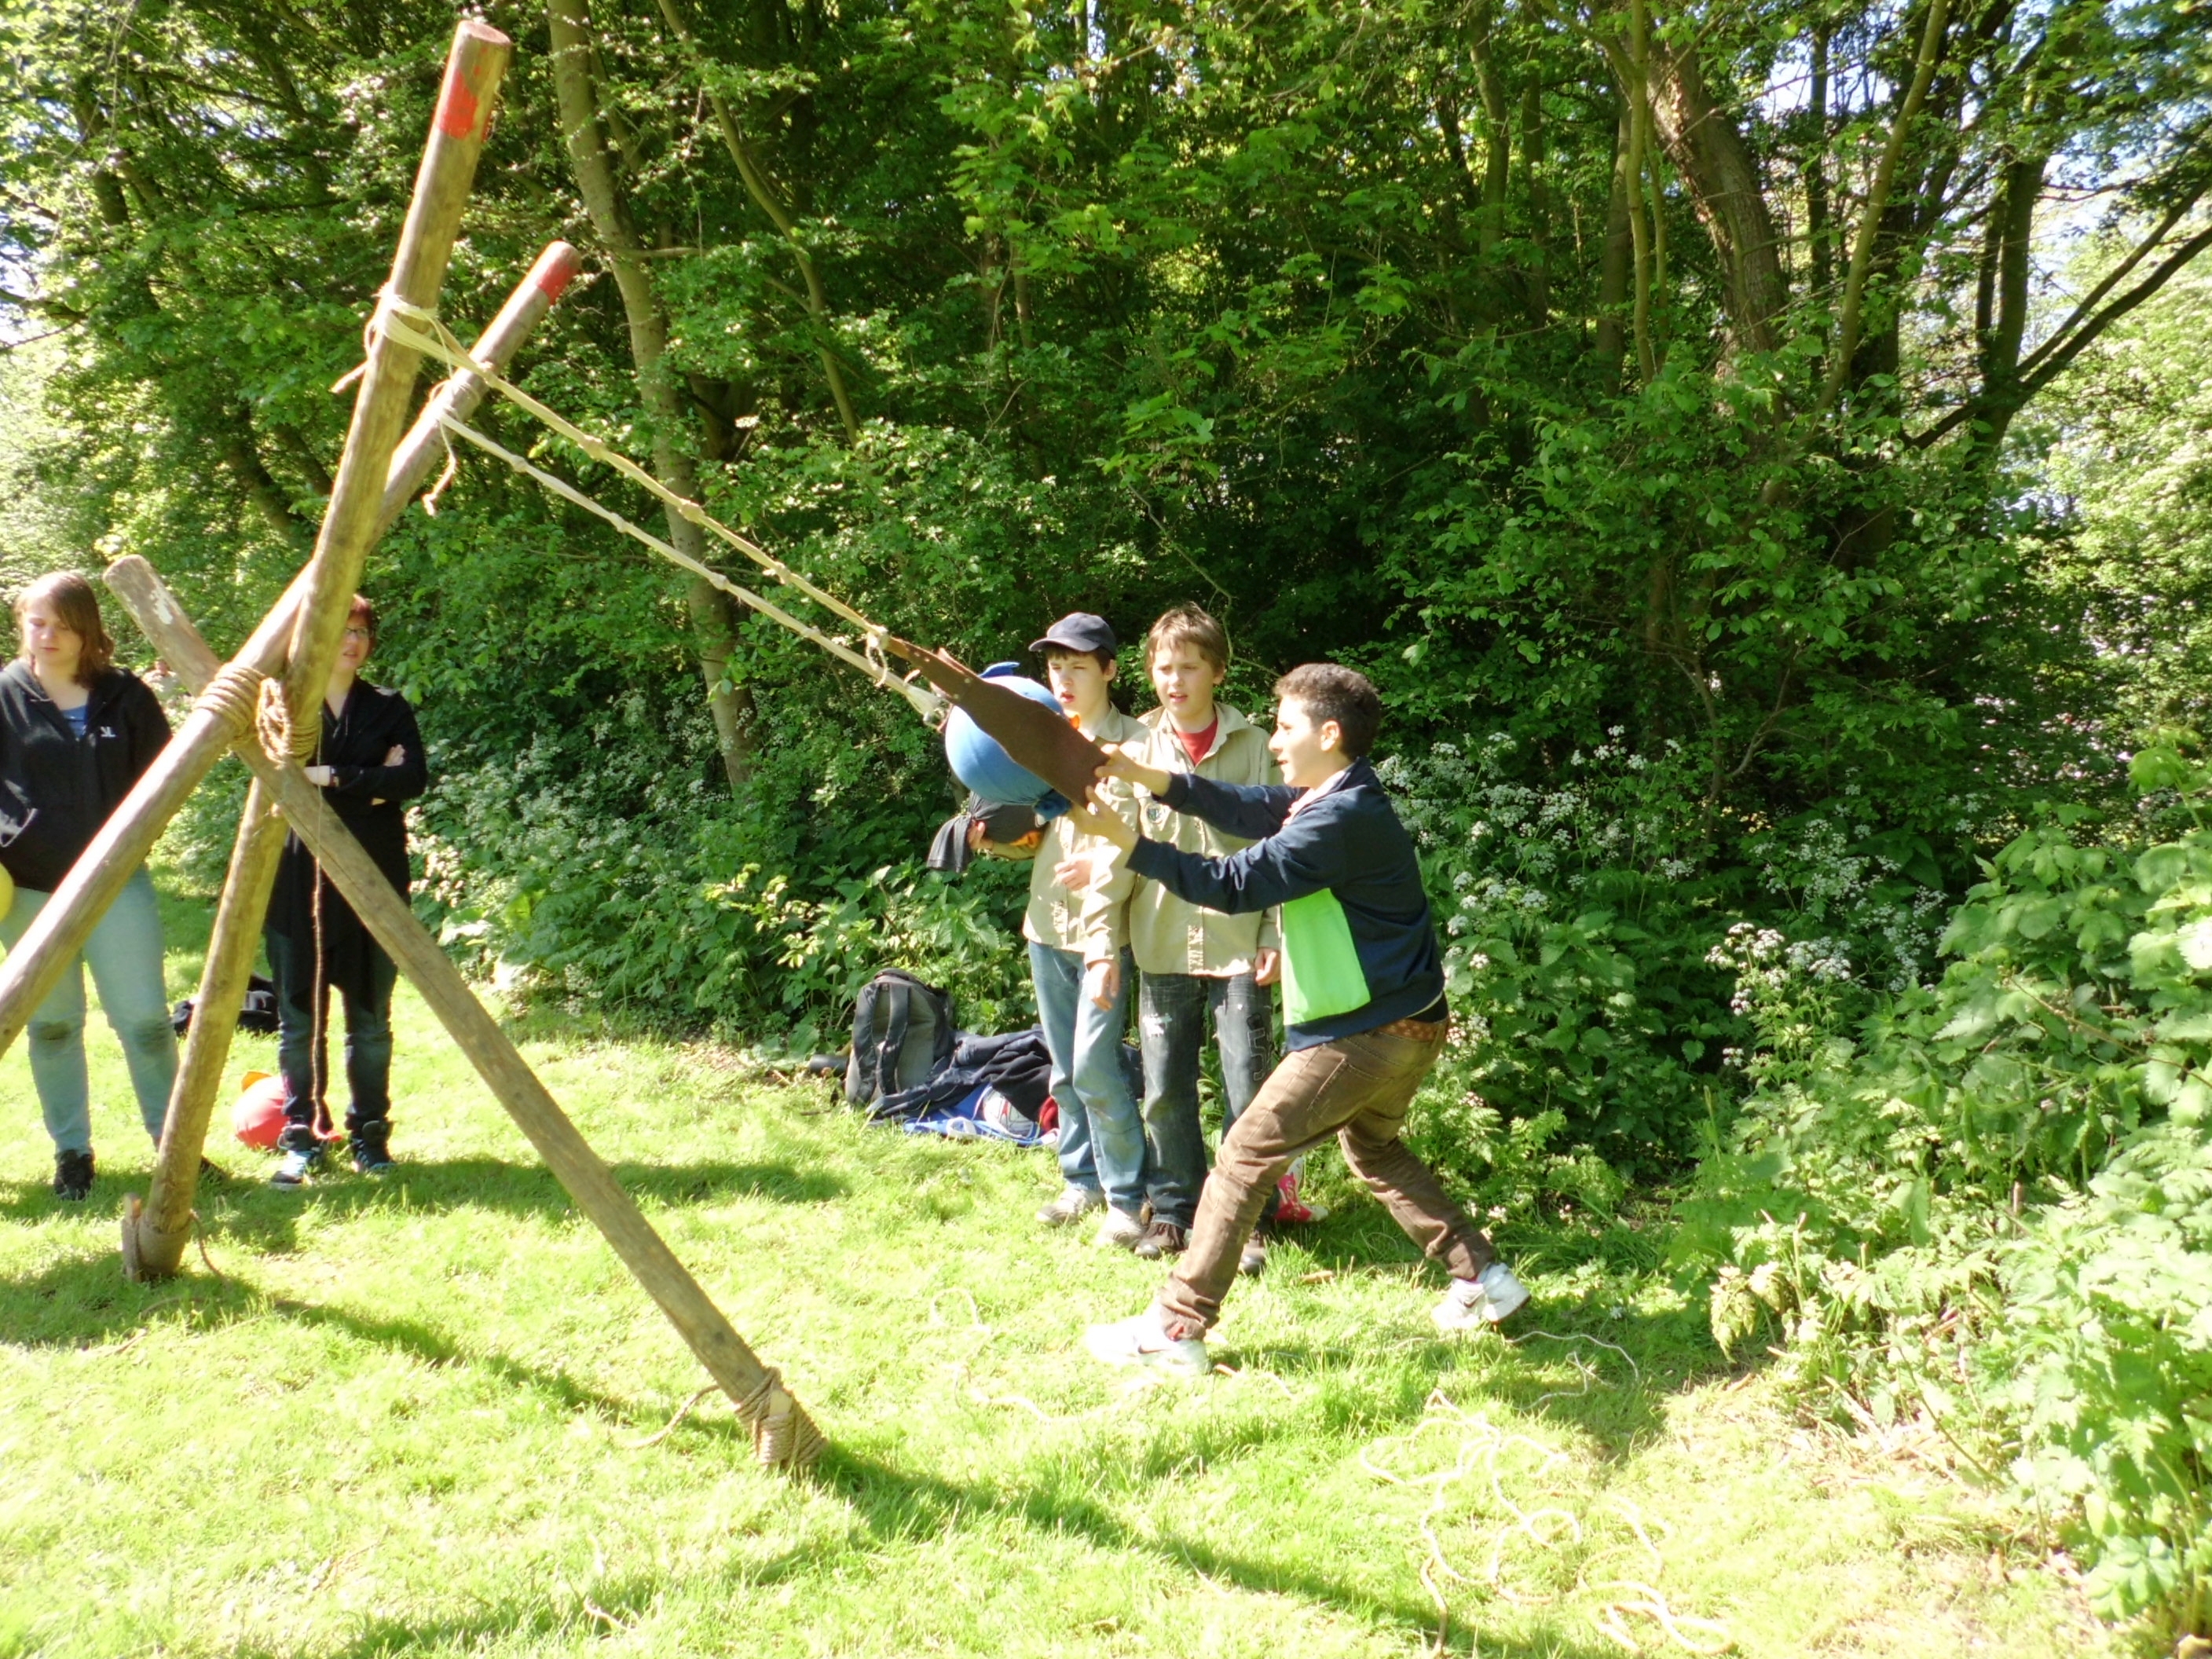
84	1299
895	1505
243	1206
1597	1365
898	1507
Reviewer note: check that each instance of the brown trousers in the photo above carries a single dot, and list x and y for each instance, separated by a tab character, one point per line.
1358	1089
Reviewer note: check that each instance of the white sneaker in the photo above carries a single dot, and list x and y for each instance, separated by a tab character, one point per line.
1119	1227
1144	1341
1472	1303
1073	1204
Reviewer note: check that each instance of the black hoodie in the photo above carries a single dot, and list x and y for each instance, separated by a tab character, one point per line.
57	788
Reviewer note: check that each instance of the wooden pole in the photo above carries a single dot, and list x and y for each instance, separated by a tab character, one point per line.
54	939
781	1431
156	1233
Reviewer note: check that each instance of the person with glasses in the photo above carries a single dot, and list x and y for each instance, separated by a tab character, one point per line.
367	762
76	733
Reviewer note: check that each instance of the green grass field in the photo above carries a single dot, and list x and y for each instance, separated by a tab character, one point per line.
408	1416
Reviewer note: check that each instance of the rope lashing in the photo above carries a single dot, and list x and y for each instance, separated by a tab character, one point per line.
397	319
281	740
926	703
784	1437
233	695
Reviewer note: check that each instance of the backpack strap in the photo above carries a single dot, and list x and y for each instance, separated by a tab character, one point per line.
891	1032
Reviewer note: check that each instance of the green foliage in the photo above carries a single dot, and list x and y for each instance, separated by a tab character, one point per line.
2104	1362
2056	1073
1570	906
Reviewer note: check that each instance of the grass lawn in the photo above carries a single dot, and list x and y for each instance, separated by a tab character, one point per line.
408	1416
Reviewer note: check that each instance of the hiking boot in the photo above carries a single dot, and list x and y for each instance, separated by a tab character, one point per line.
372	1147
303	1155
1252	1260
1162	1238
1145	1341
1118	1227
1073	1204
1472	1303
73	1176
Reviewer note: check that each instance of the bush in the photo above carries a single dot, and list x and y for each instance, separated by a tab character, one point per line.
1864	1207
1576	915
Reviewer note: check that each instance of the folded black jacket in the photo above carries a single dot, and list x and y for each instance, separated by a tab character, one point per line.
1018	1065
57	788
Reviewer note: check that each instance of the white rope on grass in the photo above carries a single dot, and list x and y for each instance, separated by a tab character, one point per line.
926	703
1480	1445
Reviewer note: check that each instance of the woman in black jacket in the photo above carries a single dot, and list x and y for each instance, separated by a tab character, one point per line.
369	761
75	733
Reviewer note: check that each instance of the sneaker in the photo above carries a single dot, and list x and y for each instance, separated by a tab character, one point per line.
1073	1204
1119	1227
73	1176
302	1156
1289	1207
1144	1341
1472	1303
372	1147
1252	1260
1162	1238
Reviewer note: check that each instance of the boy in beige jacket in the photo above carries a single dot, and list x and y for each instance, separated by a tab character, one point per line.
1192	964
1076	944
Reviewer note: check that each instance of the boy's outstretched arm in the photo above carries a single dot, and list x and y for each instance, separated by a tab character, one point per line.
1304	857
1249	811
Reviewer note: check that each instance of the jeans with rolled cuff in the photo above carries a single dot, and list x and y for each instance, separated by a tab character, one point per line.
1102	1137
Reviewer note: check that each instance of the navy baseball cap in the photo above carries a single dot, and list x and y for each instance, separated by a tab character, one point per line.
1078	630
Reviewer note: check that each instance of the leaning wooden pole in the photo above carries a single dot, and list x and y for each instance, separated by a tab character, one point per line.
156	1233
473	69
782	1433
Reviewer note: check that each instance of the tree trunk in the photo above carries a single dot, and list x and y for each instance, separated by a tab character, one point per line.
1717	164
1539	205
713	623
1617	260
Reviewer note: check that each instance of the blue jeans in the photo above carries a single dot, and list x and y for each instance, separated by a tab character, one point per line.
1102	1139
1172	1010
124	955
302	1029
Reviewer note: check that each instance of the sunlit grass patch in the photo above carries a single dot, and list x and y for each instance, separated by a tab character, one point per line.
432	1414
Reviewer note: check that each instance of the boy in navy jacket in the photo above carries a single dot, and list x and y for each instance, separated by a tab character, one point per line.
1364	1003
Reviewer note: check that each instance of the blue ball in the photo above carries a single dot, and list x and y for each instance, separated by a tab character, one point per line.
979	762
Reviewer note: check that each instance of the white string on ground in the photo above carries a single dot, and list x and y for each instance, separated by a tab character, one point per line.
1480	1446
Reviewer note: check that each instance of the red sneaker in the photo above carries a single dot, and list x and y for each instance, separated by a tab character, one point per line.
1289	1207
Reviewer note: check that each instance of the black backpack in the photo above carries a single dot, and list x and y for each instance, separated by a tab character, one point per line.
902	1034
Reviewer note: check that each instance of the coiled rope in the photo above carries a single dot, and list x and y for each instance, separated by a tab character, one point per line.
420	329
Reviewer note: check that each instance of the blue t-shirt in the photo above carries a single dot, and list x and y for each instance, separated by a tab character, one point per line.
75	716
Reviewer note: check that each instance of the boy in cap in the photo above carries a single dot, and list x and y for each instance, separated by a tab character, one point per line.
1084	1008
1364	997
1193	963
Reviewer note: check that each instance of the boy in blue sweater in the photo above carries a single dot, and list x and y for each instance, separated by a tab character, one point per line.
1364	1002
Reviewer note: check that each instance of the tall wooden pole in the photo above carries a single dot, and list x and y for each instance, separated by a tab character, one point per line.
782	1430
51	942
155	1235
